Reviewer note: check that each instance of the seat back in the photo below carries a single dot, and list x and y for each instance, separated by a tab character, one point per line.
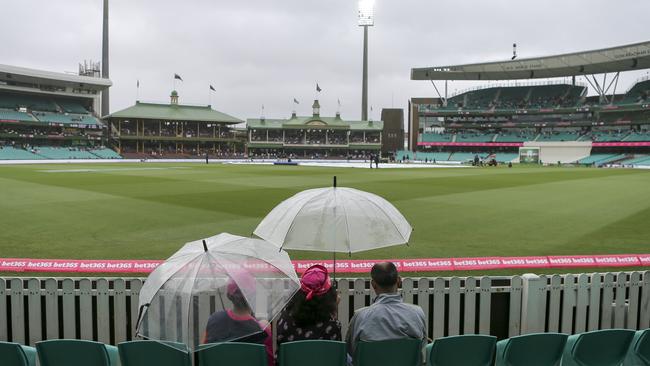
541	349
639	352
466	350
233	353
313	352
72	352
598	348
12	354
394	352
144	353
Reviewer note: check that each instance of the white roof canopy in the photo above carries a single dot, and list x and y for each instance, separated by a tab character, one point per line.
608	60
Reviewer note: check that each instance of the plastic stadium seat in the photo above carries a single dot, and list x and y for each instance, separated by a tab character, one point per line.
597	348
240	354
144	353
542	349
466	350
395	352
14	354
73	352
330	353
639	352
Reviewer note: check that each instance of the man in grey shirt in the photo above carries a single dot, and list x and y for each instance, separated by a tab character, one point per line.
388	317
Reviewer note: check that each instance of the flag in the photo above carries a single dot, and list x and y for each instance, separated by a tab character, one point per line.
296	101
138	84
318	89
212	88
339	102
176	76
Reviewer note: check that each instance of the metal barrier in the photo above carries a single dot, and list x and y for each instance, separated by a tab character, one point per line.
106	309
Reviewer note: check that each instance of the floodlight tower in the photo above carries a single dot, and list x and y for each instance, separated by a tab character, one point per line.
366	19
105	101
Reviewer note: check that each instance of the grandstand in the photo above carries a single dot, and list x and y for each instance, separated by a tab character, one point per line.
173	130
47	115
501	118
316	136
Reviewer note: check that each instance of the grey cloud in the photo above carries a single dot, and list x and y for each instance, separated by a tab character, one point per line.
267	52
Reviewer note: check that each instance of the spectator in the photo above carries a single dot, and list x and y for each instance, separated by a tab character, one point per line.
388	317
238	324
312	313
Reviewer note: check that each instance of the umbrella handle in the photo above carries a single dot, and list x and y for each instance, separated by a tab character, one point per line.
140	312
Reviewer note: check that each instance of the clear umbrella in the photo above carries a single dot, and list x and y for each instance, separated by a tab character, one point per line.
223	288
335	219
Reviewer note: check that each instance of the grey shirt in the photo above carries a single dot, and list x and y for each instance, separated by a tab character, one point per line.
387	318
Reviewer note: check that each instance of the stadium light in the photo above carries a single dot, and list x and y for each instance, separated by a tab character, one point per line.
366	13
366	19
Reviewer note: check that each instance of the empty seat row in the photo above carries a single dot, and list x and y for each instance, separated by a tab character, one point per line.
613	347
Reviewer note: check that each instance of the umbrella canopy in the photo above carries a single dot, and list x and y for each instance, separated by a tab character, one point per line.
335	219
223	288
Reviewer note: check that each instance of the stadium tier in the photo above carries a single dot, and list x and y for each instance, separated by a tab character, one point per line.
501	119
518	97
55	153
48	115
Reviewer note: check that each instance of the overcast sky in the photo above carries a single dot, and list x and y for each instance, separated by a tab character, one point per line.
267	52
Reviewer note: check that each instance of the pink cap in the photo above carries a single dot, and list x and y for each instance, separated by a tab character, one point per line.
315	281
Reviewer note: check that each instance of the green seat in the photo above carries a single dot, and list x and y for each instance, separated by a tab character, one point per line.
330	353
73	352
394	352
597	348
14	354
466	350
233	353
639	352
541	349
145	353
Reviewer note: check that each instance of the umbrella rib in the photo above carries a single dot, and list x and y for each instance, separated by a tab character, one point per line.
347	225
385	214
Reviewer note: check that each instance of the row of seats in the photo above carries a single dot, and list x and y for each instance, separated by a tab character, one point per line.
552	135
13	115
49	117
46	152
449	156
612	347
519	97
598	159
637	160
41	103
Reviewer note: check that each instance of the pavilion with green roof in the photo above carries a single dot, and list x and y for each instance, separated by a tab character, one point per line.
305	136
158	129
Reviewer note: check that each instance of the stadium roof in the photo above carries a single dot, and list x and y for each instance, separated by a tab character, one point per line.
33	76
607	60
173	112
315	122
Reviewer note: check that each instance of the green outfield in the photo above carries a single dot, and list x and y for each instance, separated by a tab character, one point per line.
147	211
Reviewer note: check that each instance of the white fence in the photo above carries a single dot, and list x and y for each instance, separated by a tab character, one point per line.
106	309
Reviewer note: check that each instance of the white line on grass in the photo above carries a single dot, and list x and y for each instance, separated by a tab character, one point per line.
101	170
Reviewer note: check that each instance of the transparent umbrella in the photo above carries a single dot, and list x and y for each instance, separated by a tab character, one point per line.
334	219
223	288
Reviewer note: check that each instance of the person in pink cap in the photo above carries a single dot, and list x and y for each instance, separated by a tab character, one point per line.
312	313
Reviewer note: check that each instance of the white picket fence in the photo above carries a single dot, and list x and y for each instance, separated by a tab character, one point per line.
106	309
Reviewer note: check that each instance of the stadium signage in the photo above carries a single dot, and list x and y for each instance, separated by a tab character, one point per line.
345	266
493	144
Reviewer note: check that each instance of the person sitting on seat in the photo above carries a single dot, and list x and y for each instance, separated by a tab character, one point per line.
312	313
238	324
388	317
